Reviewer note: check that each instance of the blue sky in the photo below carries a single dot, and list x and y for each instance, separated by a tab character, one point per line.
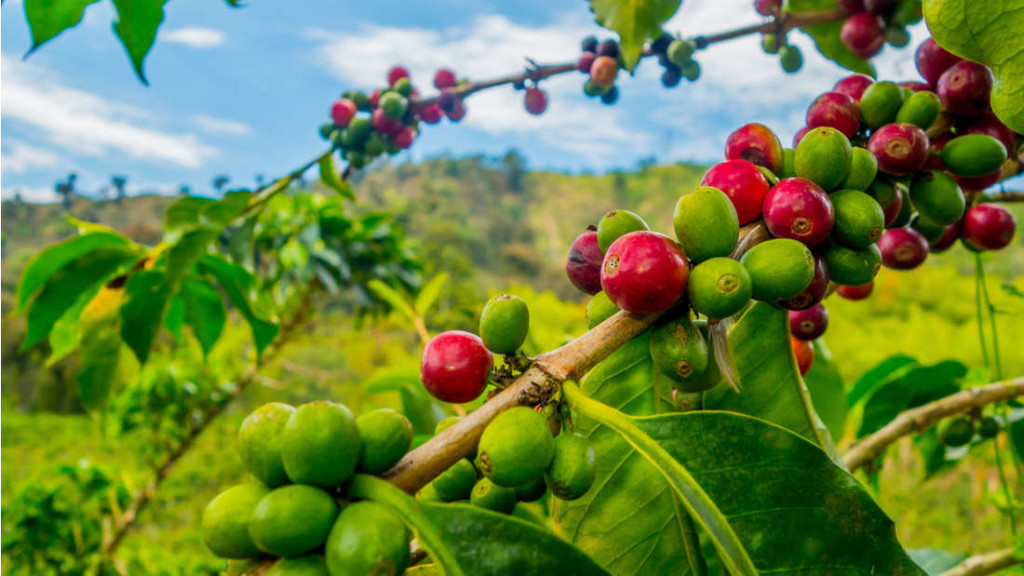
241	91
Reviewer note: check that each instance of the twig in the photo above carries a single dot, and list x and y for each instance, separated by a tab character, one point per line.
921	418
985	564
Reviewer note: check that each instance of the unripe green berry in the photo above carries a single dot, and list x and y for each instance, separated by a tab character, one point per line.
504	323
618	223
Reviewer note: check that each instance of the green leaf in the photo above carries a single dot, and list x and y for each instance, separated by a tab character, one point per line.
64	288
64	334
499	544
935	562
174	321
605	521
185	213
989	33
136	26
827	392
329	176
392	297
186	251
48	18
888	369
916	387
772	388
429	294
146	297
636	22
240	286
100	342
52	259
204	312
417	405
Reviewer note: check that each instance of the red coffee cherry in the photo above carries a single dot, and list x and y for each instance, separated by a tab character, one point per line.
644	272
755	143
835	110
584	264
444	78
988	227
455	366
854	85
932	60
743	183
536	101
799	209
859	292
903	248
804	353
342	112
808	324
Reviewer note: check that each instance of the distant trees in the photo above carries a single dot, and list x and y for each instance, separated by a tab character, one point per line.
66	190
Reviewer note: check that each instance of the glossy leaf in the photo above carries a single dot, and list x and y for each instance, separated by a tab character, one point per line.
240	286
100	342
772	387
989	33
204	312
136	26
392	297
464	540
329	176
146	297
917	386
636	22
64	334
52	259
429	294
186	251
827	390
888	369
174	320
48	18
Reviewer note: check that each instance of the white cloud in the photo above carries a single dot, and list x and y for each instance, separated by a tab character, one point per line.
20	157
86	123
220	125
199	38
38	195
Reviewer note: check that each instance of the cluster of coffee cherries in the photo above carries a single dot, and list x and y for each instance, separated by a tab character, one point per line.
295	506
790	57
675	55
600	62
960	431
387	121
874	23
456	366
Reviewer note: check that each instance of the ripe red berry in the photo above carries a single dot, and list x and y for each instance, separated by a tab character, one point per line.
988	227
536	101
458	111
966	89
444	78
342	112
743	183
894	205
755	143
804	353
604	70
644	272
431	114
584	264
767	7
978	183
858	292
455	366
375	98
385	125
799	209
396	74
916	86
835	110
808	324
901	149
800	135
903	248
992	126
854	85
403	139
585	62
932	60
814	292
863	34
946	241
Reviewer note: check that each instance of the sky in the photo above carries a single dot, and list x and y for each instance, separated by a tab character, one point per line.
241	92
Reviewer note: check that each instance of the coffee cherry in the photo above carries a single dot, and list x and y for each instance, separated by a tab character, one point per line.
937	198
989	125
644	272
458	111
808	324
384	124
852	6
599	309
901	149
780	268
661	43
573	467
309	565
609	48
342	112
592	90
225	524
455	366
767	7
444	78
791	59
988	427
320	445
393	105
859	218
814	292
903	248
863	169
671	77
965	89
405	137
770	43
973	155
367	538
589	44
824	156
327	129
292	520
259	442
799	209
586	62
800	136
881	8
532	491
584	264
615	224
432	114
706	224
743	183
678	349
853	85
889	197
456	483
978	183
681	51
690	71
536	101
835	110
855	293
932	60
504	323
946	241
849	266
988	227
719	287
447	101
915	86
863	34
611	96
804	353
755	143
930	230
920	109
880	104
956	432
387	435
490	496
396	74
516	447
604	70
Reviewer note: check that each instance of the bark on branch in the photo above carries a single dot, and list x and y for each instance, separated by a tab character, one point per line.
985	564
923	417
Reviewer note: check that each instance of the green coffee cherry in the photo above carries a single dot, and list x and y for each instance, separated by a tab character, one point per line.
863	169
988	427
790	58
849	266
824	156
592	89
504	324
930	230
429	494
320	445
573	467
769	175
599	309
678	349
259	443
779	269
403	86
456	482
770	43
906	208
920	109
225	525
973	155
680	52
292	520
516	447
533	491
956	432
859	220
880	104
313	565
445	424
690	70
938	197
387	436
361	100
618	223
720	287
706	224
487	494
367	539
788	169
897	36
393	104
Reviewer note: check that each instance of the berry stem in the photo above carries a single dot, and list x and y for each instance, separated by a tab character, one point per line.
985	563
978	274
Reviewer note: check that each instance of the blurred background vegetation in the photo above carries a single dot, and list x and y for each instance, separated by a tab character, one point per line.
492	225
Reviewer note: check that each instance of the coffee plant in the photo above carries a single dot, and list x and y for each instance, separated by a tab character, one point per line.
687	432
